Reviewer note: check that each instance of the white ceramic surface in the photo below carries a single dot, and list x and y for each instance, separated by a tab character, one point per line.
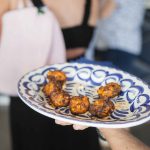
132	105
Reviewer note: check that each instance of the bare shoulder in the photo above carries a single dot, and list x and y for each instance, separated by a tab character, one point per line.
4	7
61	9
75	9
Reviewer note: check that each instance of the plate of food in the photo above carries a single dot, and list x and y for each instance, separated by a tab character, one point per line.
86	94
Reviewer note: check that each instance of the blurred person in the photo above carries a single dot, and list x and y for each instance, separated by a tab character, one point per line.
77	25
31	130
28	40
118	37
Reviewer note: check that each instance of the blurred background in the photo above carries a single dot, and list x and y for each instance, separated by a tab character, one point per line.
142	66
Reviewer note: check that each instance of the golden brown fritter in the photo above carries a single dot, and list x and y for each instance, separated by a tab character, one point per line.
60	98
101	108
110	90
79	104
51	87
57	75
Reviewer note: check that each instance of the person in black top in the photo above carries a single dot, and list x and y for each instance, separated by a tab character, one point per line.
32	130
77	25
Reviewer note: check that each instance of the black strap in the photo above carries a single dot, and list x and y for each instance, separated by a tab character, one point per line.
37	3
86	12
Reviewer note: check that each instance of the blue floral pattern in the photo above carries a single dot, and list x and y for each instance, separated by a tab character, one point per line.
132	105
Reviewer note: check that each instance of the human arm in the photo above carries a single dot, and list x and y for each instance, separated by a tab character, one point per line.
106	8
8	5
4	7
122	139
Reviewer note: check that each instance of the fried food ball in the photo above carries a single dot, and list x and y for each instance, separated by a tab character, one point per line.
57	75
110	90
79	104
51	87
59	98
101	108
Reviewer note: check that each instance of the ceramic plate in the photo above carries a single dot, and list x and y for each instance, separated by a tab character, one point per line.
132	106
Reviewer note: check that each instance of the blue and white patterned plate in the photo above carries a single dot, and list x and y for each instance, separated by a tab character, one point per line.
132	105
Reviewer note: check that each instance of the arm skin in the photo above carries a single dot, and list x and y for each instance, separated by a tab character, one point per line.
121	139
4	7
8	5
107	8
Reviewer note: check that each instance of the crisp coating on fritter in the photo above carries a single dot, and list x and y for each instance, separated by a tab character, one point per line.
60	98
101	108
110	90
57	75
51	87
79	104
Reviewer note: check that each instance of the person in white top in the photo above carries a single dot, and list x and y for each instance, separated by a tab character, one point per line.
118	37
28	40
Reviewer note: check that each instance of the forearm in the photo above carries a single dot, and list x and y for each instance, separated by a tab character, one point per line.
0	27
122	139
1	15
3	8
106	8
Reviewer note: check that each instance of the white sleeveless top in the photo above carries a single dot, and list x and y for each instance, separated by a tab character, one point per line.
29	40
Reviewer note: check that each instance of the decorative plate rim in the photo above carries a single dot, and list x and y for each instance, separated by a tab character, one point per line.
85	122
